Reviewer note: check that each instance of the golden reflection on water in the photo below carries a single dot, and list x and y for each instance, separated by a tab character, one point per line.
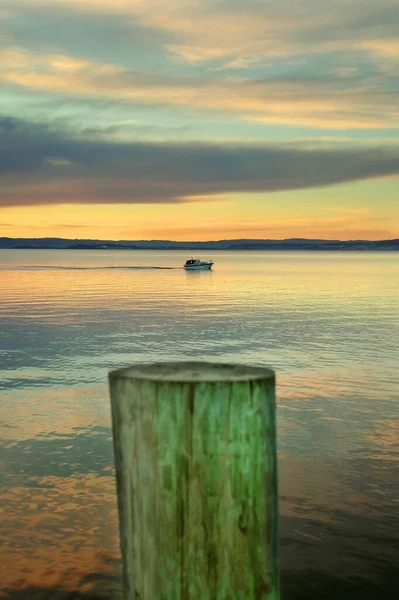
59	534
55	412
264	278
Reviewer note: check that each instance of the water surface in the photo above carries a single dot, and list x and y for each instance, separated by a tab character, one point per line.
328	323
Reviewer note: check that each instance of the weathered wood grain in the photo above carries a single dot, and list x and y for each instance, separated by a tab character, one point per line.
195	453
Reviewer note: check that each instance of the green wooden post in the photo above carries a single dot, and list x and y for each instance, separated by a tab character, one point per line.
195	454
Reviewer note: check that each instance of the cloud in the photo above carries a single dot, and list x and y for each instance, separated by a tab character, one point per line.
385	48
335	64
205	32
243	62
333	101
43	165
200	31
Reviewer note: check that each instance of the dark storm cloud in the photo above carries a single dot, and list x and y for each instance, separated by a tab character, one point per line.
42	165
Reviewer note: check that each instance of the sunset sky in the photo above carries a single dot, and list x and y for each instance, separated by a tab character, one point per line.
199	119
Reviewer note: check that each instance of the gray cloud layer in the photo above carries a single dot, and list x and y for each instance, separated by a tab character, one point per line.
42	165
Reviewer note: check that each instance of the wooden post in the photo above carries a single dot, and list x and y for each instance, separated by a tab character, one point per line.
195	454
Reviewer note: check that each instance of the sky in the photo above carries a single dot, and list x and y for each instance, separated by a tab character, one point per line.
199	119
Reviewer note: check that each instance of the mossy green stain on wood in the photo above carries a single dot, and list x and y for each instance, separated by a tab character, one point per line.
195	452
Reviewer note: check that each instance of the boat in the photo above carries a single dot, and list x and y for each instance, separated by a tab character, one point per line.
194	264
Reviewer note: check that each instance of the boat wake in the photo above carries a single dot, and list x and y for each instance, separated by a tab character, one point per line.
73	268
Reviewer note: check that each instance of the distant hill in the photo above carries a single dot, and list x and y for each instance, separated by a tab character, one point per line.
242	244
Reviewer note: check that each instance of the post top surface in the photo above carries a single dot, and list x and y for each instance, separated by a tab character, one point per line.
193	372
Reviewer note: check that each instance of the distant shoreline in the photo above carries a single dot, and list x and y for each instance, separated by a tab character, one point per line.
215	249
295	244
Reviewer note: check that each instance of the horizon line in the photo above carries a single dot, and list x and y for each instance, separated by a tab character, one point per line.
152	240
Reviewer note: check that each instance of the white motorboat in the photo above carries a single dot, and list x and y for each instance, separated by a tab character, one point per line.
194	264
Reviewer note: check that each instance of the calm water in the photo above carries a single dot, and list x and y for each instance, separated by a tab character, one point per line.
328	323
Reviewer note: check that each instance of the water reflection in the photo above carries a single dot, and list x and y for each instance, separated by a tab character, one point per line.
59	520
328	324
